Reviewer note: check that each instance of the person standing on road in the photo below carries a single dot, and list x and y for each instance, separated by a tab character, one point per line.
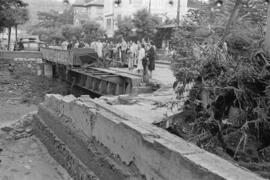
69	46
134	50
151	54
141	56
123	50
130	59
99	46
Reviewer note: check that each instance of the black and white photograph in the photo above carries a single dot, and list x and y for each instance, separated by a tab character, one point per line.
134	89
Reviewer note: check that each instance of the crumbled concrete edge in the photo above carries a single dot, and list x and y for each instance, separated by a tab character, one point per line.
59	151
155	152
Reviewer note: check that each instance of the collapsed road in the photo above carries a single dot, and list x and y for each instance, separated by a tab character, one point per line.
94	139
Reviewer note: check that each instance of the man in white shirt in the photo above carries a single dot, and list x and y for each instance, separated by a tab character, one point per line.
99	46
123	50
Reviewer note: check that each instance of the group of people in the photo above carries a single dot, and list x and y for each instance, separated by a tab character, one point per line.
140	56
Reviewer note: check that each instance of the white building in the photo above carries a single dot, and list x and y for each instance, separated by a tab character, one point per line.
114	9
88	11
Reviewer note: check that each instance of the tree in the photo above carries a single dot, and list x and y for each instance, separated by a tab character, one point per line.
10	12
69	32
231	70
41	32
6	4
13	17
55	26
145	23
67	16
21	17
49	19
77	32
125	27
92	31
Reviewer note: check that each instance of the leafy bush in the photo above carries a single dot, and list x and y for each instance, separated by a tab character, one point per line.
228	107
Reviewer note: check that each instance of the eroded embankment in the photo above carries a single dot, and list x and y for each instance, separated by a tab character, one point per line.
91	136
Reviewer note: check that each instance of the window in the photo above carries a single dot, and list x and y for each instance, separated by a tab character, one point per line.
137	2
109	23
119	17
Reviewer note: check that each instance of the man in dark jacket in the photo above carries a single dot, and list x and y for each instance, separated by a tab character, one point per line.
151	54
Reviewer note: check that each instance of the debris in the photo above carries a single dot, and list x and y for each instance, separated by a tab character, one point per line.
29	130
6	129
4	82
19	130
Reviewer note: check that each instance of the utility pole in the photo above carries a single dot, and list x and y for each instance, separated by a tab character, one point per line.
150	4
178	13
66	4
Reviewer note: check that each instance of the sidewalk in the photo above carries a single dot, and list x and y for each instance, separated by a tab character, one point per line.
162	74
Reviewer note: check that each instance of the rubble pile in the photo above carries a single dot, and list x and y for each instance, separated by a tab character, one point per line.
21	129
24	86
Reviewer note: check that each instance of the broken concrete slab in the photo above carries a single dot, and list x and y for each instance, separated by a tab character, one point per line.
156	153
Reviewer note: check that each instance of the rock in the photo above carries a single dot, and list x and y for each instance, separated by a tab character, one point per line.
4	82
27	166
29	130
19	130
9	138
126	100
34	146
11	102
6	129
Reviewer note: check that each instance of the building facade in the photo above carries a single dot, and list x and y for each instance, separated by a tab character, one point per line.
88	11
114	9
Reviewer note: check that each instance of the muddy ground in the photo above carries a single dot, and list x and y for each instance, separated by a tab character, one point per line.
22	155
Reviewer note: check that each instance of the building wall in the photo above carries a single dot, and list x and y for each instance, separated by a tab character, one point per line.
91	13
108	21
80	15
95	13
161	8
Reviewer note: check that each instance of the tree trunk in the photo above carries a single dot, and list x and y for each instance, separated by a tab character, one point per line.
9	34
16	33
267	35
232	20
178	13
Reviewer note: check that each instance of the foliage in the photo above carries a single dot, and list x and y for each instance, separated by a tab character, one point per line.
53	18
92	31
21	16
55	26
125	27
12	12
6	4
49	19
67	16
145	24
228	107
49	35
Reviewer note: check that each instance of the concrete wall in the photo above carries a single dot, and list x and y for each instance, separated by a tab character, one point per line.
60	151
156	153
20	54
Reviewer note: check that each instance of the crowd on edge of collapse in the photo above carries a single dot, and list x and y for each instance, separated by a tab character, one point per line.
140	56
